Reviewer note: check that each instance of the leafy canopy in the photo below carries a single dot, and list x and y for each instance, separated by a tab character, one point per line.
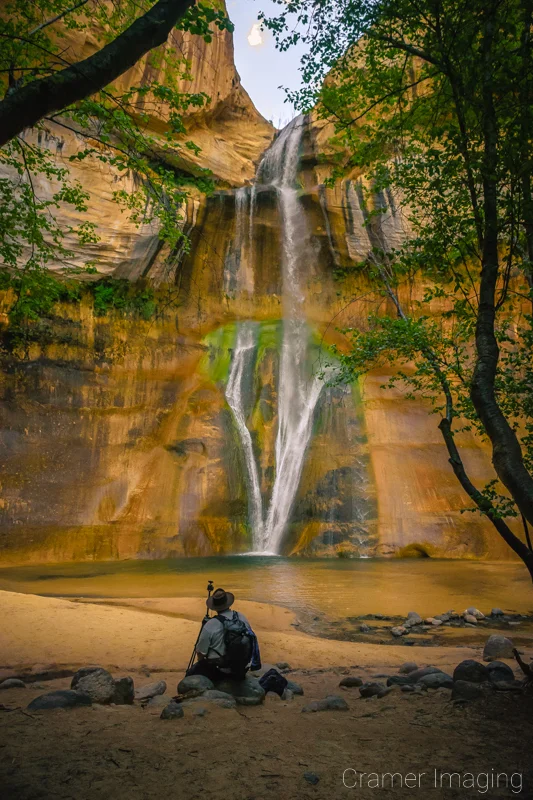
116	126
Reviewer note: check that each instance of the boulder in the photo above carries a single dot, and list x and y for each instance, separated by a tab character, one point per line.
446	617
287	695
413	618
371	689
196	683
437	680
151	690
350	681
470	670
172	711
498	671
470	619
497	647
294	687
496	612
464	691
62	698
124	693
408	667
247	692
330	703
416	674
12	683
475	612
96	682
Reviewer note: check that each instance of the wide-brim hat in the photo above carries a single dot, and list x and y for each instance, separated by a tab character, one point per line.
220	600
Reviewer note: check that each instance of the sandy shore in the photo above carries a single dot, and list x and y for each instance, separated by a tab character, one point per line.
252	753
160	633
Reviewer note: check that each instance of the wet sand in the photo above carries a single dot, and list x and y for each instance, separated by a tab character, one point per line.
44	630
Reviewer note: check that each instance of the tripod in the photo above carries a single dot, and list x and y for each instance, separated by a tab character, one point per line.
205	619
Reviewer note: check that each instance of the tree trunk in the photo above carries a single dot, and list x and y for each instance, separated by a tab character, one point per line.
506	451
525	132
26	106
483	503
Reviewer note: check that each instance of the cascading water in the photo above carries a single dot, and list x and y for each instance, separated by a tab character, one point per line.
298	389
242	356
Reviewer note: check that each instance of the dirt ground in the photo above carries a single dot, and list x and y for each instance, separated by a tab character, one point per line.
262	753
257	753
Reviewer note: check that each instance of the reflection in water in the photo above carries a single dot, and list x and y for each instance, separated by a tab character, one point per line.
337	588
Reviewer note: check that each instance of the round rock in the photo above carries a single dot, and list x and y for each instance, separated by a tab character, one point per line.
198	683
172	711
96	682
408	667
498	671
470	670
12	683
248	692
497	647
62	698
416	674
399	630
371	689
350	681
294	687
437	680
151	690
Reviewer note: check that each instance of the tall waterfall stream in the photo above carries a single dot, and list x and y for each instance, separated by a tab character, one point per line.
298	390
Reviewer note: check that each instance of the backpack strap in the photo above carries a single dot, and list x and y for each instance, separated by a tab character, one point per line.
223	620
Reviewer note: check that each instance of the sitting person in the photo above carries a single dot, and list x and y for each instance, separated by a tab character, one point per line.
227	647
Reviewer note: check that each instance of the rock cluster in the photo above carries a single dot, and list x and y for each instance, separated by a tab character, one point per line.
470	617
470	680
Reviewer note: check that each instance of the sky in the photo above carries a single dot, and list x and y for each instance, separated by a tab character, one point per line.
262	68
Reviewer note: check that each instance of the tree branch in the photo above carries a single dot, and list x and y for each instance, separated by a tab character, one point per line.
26	106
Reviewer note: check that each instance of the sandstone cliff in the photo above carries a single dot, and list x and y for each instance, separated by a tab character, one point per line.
117	437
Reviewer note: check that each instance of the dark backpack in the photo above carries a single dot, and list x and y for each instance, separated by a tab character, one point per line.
273	681
238	640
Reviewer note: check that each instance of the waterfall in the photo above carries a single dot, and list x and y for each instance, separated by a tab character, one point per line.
242	357
298	389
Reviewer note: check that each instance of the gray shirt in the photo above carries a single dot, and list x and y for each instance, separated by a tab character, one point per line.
211	641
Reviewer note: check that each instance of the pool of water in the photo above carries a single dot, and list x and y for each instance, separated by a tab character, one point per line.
335	588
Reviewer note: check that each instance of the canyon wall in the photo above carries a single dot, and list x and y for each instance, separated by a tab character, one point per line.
117	438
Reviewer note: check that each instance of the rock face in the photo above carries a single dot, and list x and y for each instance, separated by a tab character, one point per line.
139	408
